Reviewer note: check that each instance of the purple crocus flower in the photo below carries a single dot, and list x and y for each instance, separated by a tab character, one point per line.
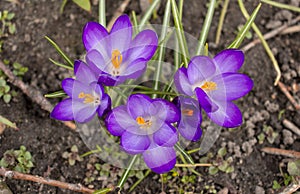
215	82
114	56
189	125
86	97
145	127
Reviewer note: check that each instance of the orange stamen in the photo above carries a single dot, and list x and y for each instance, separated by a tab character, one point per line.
209	86
116	58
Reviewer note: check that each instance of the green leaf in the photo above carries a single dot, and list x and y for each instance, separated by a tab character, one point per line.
84	4
58	49
10	16
17	65
27	156
2	82
212	170
103	191
222	151
57	94
276	185
6	89
60	64
7	98
241	35
7	122
294	168
12	28
3	163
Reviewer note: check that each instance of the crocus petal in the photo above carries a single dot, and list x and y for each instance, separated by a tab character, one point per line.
118	120
182	83
200	68
229	60
83	112
83	73
165	136
138	105
121	33
105	105
93	32
231	86
191	118
97	62
143	45
160	159
228	115
63	111
166	110
135	69
206	103
134	144
68	86
190	132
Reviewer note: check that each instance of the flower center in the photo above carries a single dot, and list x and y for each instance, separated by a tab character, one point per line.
187	112
144	124
89	98
116	58
209	86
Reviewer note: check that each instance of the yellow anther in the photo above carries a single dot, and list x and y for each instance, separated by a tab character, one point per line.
187	112
209	86
116	58
140	120
143	123
88	98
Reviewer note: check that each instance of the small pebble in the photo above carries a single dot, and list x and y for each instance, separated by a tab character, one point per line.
271	106
259	190
273	24
287	137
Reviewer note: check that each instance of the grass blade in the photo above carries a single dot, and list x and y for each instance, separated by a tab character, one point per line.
60	64
281	5
148	14
56	94
101	13
205	28
7	122
66	58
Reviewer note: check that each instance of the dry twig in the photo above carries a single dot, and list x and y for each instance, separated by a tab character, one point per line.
288	124
117	13
284	89
282	152
31	92
17	175
284	29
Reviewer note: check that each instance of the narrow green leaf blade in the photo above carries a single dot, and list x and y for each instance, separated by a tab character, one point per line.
58	49
240	37
56	94
7	122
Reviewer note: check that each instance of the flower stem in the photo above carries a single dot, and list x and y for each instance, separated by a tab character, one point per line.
162	47
139	181
185	154
193	165
221	21
205	28
155	92
102	19
126	172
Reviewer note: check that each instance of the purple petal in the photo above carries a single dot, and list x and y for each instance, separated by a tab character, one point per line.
229	60
118	120
160	159
121	33
200	68
93	32
105	105
135	69
107	79
191	118
228	115
143	45
96	62
166	111
138	105
166	136
63	111
83	73
206	103
83	112
182	83
134	144
68	86
231	86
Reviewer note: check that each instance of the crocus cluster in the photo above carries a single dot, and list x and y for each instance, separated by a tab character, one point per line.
150	127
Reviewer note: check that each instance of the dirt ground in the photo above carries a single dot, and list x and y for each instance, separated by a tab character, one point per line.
47	139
